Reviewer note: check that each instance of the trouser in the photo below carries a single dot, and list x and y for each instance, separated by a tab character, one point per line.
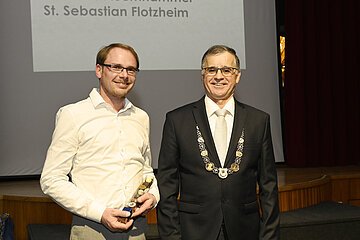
85	229
222	233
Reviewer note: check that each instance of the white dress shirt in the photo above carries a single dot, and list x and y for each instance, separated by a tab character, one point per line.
211	108
105	153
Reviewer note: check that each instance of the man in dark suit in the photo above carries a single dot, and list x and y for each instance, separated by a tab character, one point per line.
208	192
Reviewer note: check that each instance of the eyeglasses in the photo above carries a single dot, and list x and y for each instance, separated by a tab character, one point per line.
117	68
225	71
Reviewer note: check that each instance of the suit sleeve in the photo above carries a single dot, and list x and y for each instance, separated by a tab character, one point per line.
268	188
168	180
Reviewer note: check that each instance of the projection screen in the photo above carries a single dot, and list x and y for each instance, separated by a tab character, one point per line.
48	53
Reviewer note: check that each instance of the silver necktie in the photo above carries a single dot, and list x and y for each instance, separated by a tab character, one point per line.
220	135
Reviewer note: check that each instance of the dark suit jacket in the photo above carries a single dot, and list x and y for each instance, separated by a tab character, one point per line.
205	199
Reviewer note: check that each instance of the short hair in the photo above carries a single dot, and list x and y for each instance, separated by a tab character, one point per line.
217	49
103	52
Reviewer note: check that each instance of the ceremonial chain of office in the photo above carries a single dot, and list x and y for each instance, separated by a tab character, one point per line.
210	166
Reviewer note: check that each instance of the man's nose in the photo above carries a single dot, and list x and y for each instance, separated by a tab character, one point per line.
123	73
218	74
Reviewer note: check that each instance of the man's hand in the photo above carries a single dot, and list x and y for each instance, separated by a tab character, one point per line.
110	220
146	202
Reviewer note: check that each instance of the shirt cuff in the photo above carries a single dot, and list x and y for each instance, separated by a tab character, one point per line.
156	194
95	211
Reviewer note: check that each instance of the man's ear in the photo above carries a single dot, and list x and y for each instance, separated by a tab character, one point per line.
238	77
98	71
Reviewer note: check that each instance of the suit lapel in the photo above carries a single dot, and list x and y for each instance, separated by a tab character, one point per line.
239	123
200	116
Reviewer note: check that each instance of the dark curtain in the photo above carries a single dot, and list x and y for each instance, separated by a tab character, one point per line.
322	93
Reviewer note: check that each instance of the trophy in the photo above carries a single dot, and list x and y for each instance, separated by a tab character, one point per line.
141	190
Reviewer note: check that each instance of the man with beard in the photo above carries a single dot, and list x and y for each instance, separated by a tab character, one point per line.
100	154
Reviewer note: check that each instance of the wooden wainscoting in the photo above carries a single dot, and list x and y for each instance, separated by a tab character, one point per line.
304	194
303	187
26	210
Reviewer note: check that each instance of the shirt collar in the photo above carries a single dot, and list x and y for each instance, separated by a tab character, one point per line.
211	106
97	100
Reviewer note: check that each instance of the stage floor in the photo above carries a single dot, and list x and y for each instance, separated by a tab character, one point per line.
293	176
